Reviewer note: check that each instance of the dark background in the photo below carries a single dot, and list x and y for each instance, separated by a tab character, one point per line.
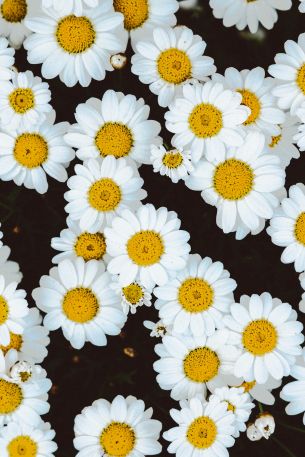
30	220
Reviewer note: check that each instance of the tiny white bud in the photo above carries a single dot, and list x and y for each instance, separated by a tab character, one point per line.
265	424
118	61
253	433
21	371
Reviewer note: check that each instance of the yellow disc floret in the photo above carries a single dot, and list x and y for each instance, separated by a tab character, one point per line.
133	293
22	446
31	150
114	139
135	12
10	396
233	179
172	159
201	364
15	342
104	195
22	100
145	248
117	439
275	141
75	34
174	66
4	310
80	305
250	100
260	337
299	229
195	295
90	246
248	385
202	432
14	10
301	78
205	120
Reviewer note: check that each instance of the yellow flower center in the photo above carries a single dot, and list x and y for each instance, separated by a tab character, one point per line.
25	375
174	66
133	293
117	439
172	159
22	100
10	397
104	195
4	310
250	100
145	248
195	295
114	139
75	34
301	78
202	432
22	446
90	246
248	385
230	407
31	150
14	10
259	337
205	120
233	179
80	305
275	141
15	342
135	12
201	364
299	229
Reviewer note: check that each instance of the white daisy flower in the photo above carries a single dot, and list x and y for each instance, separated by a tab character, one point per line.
77	297
283	145
174	163
270	335
287	227
265	423
158	329
77	48
7	60
18	439
294	391
22	371
260	392
24	101
242	183
256	94
146	245
203	429
206	118
132	296
73	6
117	125
100	189
13	14
302	6
8	269
289	72
249	13
120	428
191	365
172	58
28	155
196	300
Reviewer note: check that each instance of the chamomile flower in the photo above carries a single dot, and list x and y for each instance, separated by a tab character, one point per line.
174	163
18	439
170	59
99	189
302	6
294	391
8	269
158	329
261	392
28	155
117	125
204	428
132	296
191	365
122	427
146	246
74	242
7	60
77	48
197	299
283	145
255	90
205	118
13	14
242	184
77	297
289	72
287	227
249	13
24	101
270	336
74	6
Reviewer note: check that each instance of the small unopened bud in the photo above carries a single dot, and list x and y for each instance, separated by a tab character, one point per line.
118	61
265	424
21	371
253	433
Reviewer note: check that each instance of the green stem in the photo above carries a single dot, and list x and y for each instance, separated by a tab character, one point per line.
260	406
285	448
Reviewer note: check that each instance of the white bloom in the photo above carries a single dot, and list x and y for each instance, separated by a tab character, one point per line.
10	270
73	6
7	60
118	61
294	391
22	371
265	424
132	296
283	145
174	163
261	392
253	433
13	14
158	329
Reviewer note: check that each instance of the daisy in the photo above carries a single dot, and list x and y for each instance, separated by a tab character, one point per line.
132	296
249	13
197	298
255	90
120	428
101	188
189	365
283	145
77	297
8	269
7	60
204	428
270	335
146	245
294	391
289	72
172	58
158	329
174	163
13	15
205	118
74	6
265	423
27	155
260	392
117	125
77	48
287	227
241	183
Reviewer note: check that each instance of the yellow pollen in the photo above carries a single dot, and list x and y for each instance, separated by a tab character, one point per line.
15	343
75	34
230	407
299	229
202	432
205	120
31	150
248	385
135	12
174	66
90	246
22	445
117	439
25	375
250	100
133	293
301	78
172	159
10	397
104	195
233	179
80	305
22	100
114	139
145	248
275	141
4	310
201	364
14	10
259	337
195	295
